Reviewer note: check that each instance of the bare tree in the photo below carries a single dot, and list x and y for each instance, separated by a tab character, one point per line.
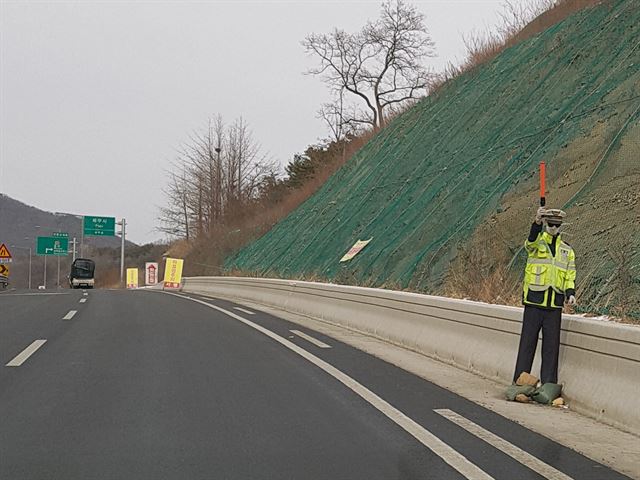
246	165
333	116
175	218
222	173
381	65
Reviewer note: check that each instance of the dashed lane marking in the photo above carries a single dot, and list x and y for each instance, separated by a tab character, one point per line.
448	454
248	312
535	464
70	315
82	300
26	353
309	338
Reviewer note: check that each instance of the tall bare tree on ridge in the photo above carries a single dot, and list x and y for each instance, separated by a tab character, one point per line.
381	65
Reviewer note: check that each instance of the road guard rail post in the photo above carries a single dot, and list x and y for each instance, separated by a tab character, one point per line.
599	360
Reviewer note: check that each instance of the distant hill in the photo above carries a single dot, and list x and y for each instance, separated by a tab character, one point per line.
20	224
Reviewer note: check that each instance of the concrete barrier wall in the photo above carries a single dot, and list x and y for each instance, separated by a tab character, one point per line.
599	360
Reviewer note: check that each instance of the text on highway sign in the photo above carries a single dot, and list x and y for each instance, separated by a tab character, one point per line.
52	246
132	278
99	226
150	273
173	272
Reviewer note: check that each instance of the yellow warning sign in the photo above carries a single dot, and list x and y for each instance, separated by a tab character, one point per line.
5	254
132	278
173	272
4	270
353	251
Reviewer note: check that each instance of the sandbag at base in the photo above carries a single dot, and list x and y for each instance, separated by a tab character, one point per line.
547	393
514	390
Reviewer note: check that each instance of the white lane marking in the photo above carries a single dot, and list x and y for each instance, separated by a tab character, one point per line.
32	294
424	436
85	294
535	464
70	315
82	300
309	338
248	312
26	353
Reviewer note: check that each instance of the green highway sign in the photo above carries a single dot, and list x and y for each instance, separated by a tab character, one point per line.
52	246
99	226
60	235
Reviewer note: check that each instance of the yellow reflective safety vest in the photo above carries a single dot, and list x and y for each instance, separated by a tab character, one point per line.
547	278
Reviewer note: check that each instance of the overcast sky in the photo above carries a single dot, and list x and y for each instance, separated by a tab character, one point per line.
95	97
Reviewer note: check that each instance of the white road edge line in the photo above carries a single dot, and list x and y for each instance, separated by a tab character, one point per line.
29	294
424	436
70	315
26	353
82	300
248	312
543	469
309	338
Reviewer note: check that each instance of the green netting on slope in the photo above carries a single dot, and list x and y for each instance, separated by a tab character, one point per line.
609	280
424	184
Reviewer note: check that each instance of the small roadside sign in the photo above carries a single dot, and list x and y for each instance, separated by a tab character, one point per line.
4	270
173	272
99	226
353	251
132	278
150	273
5	254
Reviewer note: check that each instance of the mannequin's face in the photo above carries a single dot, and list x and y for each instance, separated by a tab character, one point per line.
553	228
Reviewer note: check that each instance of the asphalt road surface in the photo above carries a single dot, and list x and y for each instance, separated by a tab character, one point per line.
148	385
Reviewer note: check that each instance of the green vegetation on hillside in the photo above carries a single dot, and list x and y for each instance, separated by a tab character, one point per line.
455	178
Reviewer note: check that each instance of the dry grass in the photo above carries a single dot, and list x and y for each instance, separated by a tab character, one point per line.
108	278
624	295
518	23
482	275
179	249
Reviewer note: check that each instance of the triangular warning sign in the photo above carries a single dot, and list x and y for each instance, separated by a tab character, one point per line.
4	251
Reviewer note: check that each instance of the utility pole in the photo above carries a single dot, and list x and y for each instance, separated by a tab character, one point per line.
81	236
74	242
123	229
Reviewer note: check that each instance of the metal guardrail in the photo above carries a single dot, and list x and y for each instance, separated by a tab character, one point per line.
599	360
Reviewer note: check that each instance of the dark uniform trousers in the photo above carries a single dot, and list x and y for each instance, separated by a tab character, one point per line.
549	321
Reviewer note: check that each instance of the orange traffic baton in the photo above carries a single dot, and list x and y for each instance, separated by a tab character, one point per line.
542	184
